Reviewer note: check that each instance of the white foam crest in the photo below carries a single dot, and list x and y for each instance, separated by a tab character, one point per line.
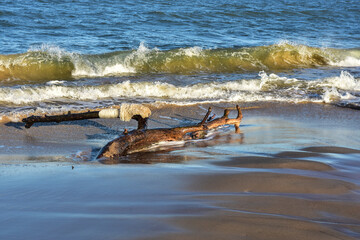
345	81
347	62
86	68
118	69
27	95
55	82
111	66
333	96
141	53
273	81
227	90
82	66
192	51
143	48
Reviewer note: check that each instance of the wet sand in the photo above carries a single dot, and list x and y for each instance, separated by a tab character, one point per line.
291	174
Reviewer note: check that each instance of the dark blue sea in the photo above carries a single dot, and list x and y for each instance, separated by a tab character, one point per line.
74	55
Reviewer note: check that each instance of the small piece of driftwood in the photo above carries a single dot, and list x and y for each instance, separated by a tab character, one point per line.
29	121
142	138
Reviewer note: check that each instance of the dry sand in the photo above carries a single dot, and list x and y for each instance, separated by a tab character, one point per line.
291	174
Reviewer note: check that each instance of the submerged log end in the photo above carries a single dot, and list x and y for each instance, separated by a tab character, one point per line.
113	149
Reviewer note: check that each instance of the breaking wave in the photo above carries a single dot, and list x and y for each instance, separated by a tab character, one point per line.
268	87
52	63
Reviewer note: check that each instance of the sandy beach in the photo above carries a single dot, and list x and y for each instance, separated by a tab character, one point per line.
292	173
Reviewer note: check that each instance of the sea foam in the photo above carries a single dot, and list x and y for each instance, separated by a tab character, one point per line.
347	62
267	87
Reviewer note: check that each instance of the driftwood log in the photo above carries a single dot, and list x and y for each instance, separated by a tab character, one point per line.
29	121
142	138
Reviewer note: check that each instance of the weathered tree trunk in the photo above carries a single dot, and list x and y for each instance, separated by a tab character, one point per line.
141	138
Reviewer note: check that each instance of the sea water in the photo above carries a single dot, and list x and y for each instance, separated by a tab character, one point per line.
73	55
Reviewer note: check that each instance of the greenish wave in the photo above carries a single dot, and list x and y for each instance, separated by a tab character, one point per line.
56	64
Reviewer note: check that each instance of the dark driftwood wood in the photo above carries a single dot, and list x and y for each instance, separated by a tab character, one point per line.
29	121
142	122
141	138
